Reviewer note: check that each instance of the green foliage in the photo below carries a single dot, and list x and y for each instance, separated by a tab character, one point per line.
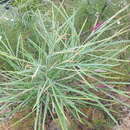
47	65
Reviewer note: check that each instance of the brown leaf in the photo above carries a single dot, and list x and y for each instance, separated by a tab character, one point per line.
125	124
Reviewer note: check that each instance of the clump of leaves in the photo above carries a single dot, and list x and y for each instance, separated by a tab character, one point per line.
48	67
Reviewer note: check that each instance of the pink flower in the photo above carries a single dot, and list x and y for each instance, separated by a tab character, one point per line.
103	86
97	26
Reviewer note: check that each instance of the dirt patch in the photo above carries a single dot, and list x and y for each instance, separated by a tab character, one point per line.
25	124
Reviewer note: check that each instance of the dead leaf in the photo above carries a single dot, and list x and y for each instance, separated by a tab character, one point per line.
54	125
125	124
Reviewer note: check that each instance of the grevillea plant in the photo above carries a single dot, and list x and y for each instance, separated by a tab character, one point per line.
46	66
